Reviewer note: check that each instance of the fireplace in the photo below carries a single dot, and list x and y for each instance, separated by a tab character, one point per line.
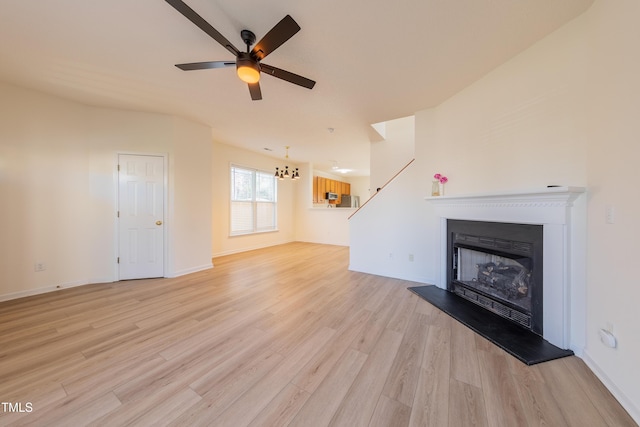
498	266
559	299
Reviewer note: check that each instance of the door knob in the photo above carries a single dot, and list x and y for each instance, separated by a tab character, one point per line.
158	222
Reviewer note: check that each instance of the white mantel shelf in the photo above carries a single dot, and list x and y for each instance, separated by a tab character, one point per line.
542	206
562	213
528	197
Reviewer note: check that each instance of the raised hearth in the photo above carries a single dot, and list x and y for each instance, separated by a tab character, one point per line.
527	346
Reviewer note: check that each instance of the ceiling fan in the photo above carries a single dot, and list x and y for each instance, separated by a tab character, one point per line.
248	64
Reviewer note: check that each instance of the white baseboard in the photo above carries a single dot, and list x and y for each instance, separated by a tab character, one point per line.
627	404
191	270
94	280
53	288
43	290
392	275
249	248
578	351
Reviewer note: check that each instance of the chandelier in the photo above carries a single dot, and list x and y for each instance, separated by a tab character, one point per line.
282	173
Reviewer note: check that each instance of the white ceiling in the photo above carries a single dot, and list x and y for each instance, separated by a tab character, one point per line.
372	60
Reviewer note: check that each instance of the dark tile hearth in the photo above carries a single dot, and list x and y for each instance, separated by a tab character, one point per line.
525	345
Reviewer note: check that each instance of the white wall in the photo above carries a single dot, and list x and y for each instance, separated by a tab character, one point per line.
319	224
222	157
190	178
391	154
44	209
329	226
613	177
563	112
58	182
188	148
519	127
361	187
297	219
387	236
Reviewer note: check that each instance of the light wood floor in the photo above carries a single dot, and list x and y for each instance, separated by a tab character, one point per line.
274	337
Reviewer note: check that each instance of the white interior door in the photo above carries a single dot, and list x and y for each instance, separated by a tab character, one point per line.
141	192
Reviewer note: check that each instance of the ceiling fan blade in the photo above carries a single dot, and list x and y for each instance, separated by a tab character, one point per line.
288	76
205	65
279	34
254	90
192	16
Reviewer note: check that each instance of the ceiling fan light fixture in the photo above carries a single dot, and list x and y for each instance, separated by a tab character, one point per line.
247	63
248	70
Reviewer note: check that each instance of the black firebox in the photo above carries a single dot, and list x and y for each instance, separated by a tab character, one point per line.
499	267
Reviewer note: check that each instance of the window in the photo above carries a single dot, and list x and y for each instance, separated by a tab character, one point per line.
253	201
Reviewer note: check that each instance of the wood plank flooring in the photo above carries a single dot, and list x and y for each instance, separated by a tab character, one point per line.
284	336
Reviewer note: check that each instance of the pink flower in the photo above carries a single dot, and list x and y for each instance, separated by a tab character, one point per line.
443	179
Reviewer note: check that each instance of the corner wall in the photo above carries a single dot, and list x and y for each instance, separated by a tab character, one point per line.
613	177
563	112
222	156
388	236
58	181
391	154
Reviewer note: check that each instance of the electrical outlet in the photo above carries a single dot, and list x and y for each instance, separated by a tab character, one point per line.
39	266
608	339
410	257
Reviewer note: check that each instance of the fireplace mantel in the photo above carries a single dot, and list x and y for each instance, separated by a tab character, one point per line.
547	194
562	212
547	205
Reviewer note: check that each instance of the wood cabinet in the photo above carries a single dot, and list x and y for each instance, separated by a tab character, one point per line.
322	185
318	189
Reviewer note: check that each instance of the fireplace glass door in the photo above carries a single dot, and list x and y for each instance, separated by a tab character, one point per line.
501	277
498	266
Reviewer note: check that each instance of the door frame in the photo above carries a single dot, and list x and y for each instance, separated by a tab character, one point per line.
165	209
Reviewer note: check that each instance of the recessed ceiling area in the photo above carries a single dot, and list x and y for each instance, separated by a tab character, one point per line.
371	61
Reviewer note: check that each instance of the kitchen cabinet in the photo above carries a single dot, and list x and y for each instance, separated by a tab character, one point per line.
322	185
345	188
319	184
